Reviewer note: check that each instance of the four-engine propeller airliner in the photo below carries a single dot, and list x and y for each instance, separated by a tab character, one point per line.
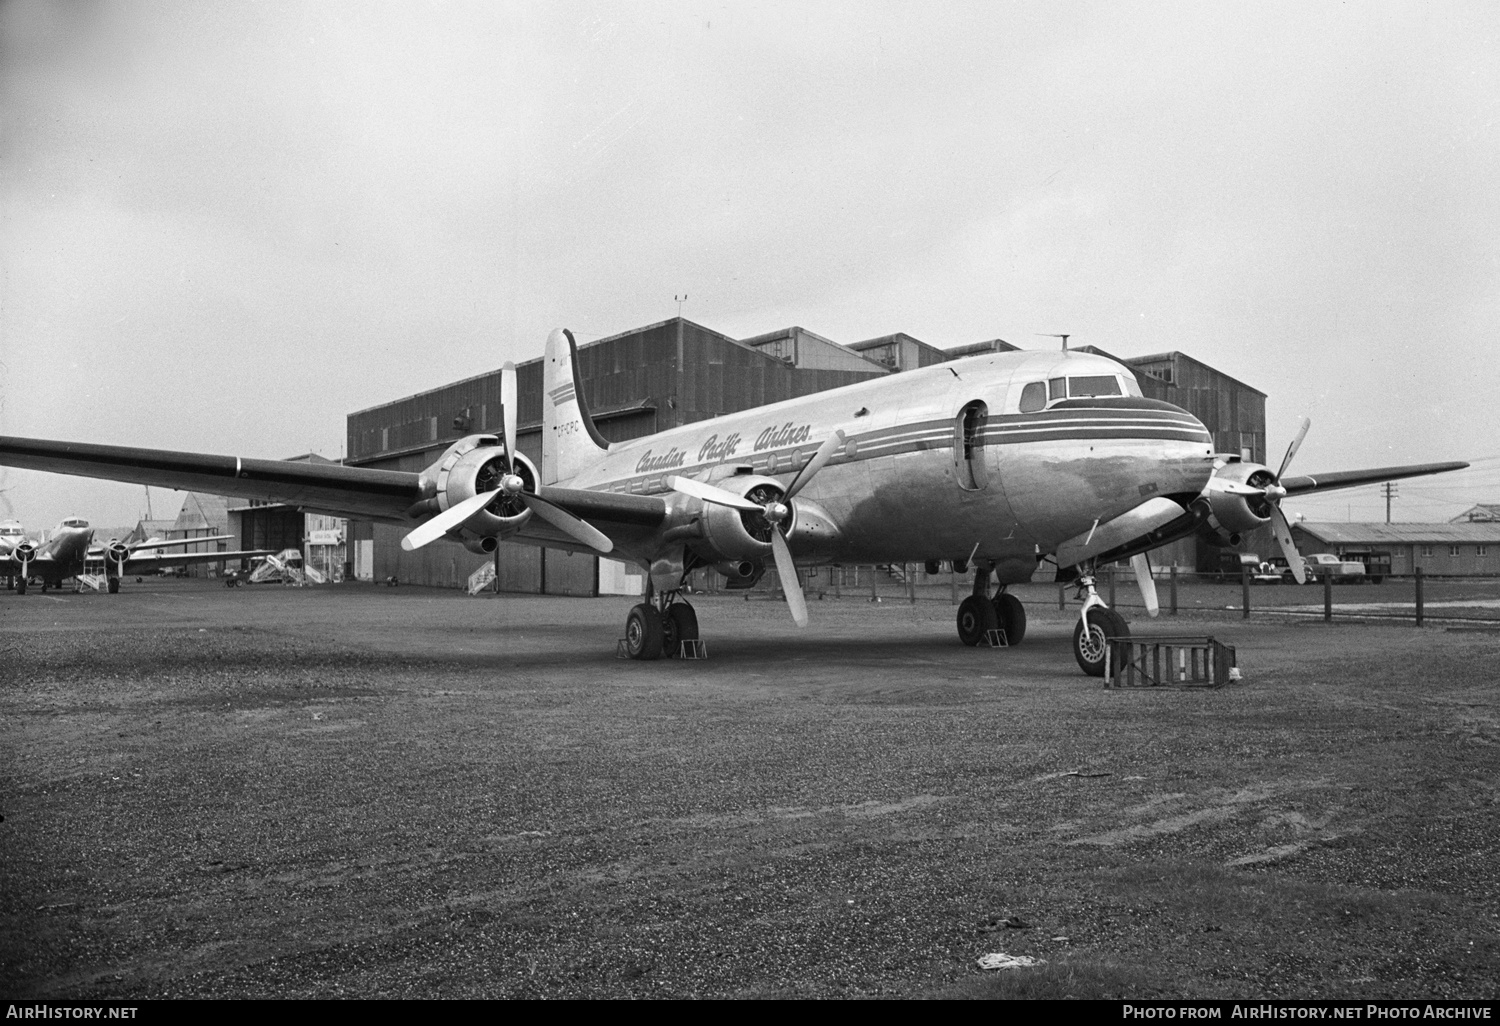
70	548
998	462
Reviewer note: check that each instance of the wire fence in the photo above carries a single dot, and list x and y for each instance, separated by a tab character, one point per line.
1416	598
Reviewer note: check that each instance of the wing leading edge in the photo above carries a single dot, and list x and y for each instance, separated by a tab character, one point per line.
1301	484
357	491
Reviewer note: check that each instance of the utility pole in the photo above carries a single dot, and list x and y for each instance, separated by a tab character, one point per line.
1391	490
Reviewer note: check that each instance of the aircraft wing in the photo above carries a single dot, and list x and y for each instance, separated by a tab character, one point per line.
146	564
621	508
1299	485
350	491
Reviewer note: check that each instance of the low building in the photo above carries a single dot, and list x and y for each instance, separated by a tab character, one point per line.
1470	548
1483	513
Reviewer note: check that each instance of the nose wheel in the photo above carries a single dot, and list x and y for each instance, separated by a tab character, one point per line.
1096	624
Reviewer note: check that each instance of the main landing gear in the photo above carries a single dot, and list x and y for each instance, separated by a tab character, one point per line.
658	626
979	613
1096	623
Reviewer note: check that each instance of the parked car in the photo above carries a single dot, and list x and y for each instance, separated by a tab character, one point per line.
1232	564
1341	571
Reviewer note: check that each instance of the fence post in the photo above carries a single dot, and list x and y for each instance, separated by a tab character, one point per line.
1245	592
1328	598
1174	589
911	582
1061	596
952	585
1419	596
1111	587
874	583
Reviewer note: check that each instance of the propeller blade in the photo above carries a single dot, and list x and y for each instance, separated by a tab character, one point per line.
825	452
1291	450
708	493
446	521
791	582
1143	579
508	408
1283	532
567	523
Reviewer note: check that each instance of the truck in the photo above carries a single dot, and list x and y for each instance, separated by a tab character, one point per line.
1340	570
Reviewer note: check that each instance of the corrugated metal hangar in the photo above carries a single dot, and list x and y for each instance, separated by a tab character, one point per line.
677	372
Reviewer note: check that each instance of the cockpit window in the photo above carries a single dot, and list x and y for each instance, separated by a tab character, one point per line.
1095	384
75	522
1057	388
9	531
1033	397
1132	387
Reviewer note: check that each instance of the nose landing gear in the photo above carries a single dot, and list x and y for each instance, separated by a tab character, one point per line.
1096	623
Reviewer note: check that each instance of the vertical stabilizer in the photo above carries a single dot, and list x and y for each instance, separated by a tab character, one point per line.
570	442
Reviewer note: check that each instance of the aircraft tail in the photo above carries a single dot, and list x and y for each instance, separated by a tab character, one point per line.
570	442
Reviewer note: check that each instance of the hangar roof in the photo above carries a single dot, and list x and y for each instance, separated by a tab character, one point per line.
1402	534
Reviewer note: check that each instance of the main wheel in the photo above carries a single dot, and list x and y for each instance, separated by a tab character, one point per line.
1091	650
643	635
1012	617
20	585
679	625
114	585
976	617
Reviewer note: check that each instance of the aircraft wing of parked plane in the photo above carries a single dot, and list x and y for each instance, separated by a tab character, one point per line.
1000	462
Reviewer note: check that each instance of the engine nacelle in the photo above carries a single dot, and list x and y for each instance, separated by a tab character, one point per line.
732	536
24	553
471	466
1233	515
116	553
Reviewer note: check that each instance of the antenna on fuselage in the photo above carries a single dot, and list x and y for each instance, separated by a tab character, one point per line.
1047	334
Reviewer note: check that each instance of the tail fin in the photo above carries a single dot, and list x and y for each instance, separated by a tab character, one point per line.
570	442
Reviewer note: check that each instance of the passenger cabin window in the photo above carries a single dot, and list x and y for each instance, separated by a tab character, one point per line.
1033	397
968	446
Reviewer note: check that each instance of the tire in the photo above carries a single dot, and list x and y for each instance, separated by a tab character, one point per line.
20	585
976	616
114	585
679	625
1092	653
643	634
1012	617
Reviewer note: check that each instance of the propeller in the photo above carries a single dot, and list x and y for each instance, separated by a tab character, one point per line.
1143	579
511	485
776	511
1273	493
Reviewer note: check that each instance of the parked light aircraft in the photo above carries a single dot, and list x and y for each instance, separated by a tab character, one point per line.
999	462
70	549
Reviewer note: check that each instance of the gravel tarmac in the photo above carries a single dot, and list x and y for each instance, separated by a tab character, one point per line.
371	792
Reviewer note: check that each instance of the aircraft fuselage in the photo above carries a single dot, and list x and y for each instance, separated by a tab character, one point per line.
938	463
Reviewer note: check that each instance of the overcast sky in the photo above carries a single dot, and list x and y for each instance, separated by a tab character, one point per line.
225	226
